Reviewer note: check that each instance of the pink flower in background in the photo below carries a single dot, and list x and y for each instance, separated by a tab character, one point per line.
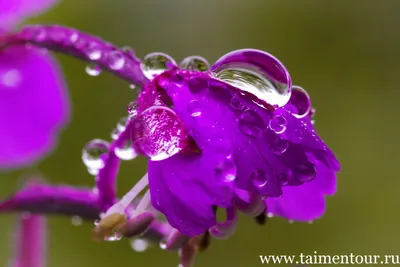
33	97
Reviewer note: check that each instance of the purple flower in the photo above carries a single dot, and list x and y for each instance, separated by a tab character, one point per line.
35	101
235	136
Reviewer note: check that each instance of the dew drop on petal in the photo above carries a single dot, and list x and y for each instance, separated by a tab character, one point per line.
259	178
92	154
139	245
283	179
132	86
93	70
278	124
250	123
257	73
301	101
116	60
278	145
115	134
126	151
115	236
305	172
158	133
194	108
236	104
195	63
156	63
226	170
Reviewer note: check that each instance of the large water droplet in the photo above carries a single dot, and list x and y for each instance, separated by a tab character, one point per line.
259	178
250	123
156	63
301	101
158	133
255	72
194	108
195	63
116	60
139	245
125	151
93	152
278	145
93	70
278	124
163	244
114	236
226	170
305	172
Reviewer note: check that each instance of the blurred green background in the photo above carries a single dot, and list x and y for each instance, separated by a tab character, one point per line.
345	53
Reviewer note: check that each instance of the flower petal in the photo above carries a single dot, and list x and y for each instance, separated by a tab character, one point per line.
33	106
15	11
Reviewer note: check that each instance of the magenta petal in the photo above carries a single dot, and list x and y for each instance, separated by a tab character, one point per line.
33	106
30	249
305	202
14	11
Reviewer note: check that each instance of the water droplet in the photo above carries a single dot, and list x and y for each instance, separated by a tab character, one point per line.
278	145
226	170
129	51
195	63
194	108
115	134
283	179
278	124
163	244
126	151
255	72
93	171
132	109
92	51
305	172
93	152
115	236
270	215
259	178
121	125
156	63
250	123
93	70
236	104
11	78
139	245
301	101
72	38
116	60
76	220
158	133
132	86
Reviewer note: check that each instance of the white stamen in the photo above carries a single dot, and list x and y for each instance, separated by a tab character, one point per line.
143	204
121	205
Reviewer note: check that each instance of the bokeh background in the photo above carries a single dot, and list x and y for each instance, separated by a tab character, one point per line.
345	53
